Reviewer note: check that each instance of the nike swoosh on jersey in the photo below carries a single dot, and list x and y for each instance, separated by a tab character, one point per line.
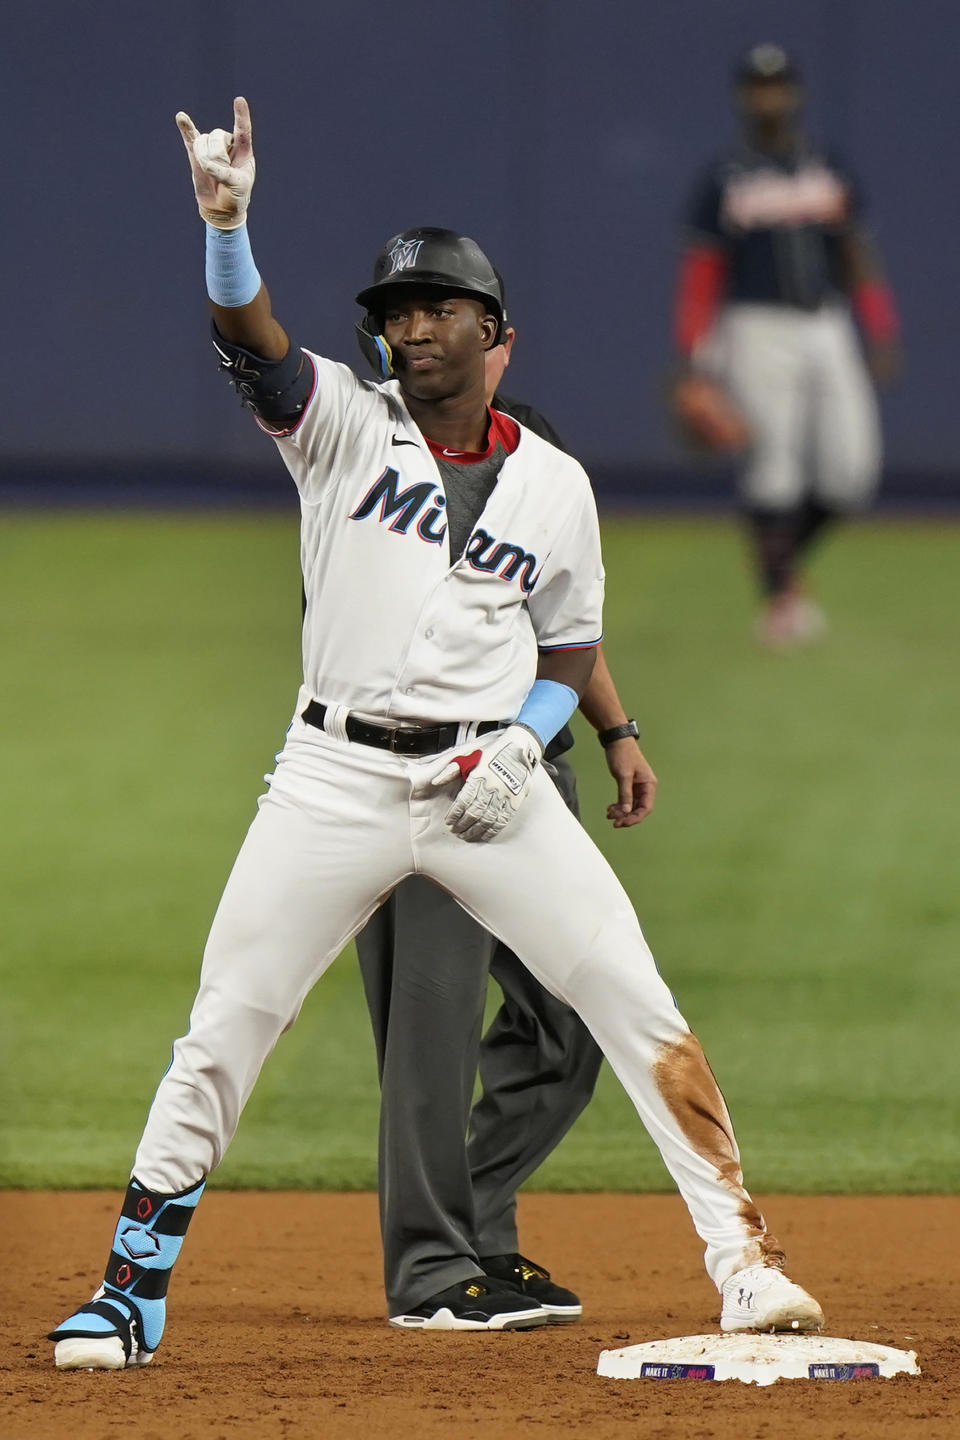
395	440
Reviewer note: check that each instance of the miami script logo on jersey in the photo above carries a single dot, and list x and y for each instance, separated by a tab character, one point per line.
425	504
403	256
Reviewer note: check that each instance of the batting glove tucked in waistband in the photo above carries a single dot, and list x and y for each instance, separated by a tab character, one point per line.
222	166
496	781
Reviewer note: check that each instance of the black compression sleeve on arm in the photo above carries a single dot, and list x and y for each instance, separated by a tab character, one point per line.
276	391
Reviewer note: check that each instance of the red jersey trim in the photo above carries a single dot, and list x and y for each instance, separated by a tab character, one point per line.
503	429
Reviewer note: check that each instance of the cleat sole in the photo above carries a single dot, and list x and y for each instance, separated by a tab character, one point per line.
445	1319
90	1353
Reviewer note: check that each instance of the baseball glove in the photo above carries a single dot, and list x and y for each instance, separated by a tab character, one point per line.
706	416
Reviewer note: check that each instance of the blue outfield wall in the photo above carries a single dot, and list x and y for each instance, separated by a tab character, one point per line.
135	483
563	137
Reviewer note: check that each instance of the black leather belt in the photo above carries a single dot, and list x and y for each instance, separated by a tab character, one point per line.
399	739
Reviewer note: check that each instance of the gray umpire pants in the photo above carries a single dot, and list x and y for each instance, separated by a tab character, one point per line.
443	1203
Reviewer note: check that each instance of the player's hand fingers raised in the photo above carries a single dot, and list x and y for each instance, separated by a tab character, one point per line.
204	185
187	129
242	131
223	168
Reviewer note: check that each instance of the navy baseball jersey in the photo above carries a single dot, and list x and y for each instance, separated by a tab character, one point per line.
778	218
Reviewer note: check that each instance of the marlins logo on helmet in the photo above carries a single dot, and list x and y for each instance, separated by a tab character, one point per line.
403	256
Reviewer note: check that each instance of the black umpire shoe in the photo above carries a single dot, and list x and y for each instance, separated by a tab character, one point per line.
477	1304
562	1306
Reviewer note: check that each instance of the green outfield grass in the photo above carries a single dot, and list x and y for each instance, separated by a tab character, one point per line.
798	881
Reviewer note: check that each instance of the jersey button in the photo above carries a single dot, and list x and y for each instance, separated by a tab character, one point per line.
428	634
409	690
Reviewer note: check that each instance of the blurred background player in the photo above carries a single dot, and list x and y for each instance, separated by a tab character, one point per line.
448	1211
777	257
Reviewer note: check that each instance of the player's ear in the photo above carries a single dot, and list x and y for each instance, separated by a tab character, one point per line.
489	325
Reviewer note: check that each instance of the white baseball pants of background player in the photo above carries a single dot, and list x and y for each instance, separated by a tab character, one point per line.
802	383
340	824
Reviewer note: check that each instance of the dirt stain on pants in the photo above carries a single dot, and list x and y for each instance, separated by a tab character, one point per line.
690	1091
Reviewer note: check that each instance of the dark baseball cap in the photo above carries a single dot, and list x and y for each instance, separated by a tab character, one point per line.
765	62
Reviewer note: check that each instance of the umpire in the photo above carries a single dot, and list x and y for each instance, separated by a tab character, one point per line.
448	1207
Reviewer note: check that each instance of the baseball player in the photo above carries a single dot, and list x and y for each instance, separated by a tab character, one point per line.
777	257
448	1214
451	626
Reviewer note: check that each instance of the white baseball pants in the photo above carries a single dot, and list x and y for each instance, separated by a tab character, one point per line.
339	826
802	383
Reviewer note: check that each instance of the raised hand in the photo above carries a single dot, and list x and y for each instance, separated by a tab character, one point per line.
222	166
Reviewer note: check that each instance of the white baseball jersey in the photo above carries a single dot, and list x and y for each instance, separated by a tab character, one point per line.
392	629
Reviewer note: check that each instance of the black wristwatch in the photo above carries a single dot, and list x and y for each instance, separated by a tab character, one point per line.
628	731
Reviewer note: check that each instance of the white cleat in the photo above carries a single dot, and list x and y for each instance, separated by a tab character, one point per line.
809	621
104	1334
96	1352
789	621
762	1298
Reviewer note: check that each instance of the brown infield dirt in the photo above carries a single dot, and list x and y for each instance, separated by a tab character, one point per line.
276	1326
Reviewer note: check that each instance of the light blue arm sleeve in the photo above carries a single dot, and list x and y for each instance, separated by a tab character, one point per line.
547	708
232	277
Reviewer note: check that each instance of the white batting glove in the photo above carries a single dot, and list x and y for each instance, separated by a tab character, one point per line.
496	781
222	166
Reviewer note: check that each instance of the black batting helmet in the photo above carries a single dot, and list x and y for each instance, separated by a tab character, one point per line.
435	258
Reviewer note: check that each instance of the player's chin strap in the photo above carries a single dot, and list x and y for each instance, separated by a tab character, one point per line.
376	351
